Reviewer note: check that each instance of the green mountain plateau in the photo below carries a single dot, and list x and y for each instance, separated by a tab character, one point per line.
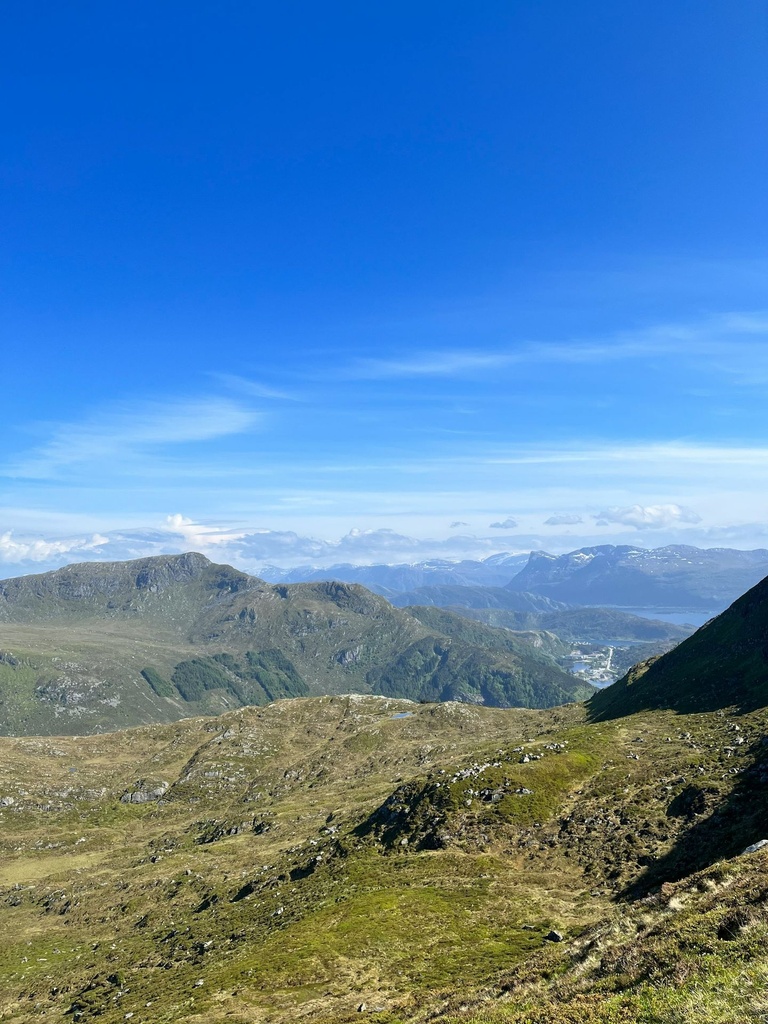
101	646
361	857
594	625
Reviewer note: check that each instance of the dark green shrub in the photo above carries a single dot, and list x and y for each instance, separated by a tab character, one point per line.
160	685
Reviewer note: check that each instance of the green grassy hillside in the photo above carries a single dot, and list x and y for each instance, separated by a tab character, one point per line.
294	862
95	647
595	625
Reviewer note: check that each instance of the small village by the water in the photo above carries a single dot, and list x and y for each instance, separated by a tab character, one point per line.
593	663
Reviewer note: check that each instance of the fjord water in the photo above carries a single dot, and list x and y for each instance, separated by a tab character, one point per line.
694	617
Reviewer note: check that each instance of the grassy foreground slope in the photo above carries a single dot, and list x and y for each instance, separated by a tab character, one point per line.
100	646
297	861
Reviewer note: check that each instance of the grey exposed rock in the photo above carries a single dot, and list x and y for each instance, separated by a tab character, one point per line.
144	793
349	657
553	936
756	846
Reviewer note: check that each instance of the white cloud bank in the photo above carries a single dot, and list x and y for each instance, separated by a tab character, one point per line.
37	549
648	517
247	549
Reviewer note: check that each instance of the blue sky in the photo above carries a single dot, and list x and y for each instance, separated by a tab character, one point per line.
301	282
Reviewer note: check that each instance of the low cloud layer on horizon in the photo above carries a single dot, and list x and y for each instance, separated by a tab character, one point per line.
252	549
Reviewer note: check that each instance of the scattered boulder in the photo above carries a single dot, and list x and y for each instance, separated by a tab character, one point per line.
553	936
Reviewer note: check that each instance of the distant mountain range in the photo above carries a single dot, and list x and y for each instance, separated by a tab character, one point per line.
676	577
494	571
98	646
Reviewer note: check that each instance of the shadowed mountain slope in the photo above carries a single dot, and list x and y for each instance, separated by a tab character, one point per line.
724	664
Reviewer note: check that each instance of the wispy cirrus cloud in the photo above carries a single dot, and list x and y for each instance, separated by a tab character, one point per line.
427	364
658	453
129	429
254	388
733	333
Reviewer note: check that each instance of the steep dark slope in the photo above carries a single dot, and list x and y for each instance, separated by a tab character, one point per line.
724	664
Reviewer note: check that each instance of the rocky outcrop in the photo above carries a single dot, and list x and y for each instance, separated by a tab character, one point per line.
145	792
